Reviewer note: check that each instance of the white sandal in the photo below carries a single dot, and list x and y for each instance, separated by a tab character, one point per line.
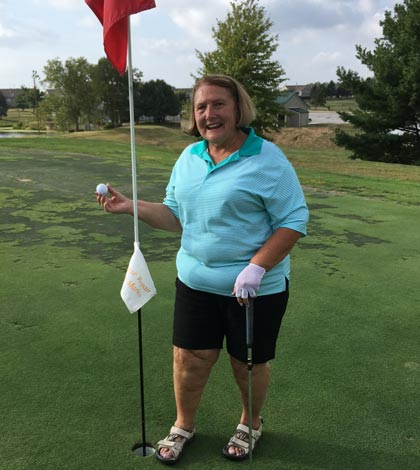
176	440
241	440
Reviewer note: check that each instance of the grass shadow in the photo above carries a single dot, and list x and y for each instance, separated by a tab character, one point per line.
307	453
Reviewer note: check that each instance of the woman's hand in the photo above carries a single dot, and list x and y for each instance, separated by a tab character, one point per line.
248	282
117	203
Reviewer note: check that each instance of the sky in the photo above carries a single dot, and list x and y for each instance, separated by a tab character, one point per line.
314	37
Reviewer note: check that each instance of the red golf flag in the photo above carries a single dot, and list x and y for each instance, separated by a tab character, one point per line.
113	15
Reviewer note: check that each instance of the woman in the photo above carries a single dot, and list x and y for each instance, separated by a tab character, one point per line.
241	209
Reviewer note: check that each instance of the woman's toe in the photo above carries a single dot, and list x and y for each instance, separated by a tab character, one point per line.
165	453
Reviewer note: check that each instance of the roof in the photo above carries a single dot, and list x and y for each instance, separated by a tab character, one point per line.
284	97
10	92
299	110
303	90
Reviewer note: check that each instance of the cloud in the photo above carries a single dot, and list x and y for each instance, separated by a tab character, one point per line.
326	58
6	33
89	21
165	46
311	14
24	32
371	28
196	21
59	4
22	29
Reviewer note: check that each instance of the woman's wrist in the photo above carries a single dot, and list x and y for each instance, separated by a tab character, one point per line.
258	262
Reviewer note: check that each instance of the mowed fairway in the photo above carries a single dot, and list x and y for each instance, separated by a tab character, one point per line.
345	390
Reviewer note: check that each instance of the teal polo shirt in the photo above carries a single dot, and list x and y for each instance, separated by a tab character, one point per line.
229	210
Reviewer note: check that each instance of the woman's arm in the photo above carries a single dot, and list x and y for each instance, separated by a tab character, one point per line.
155	214
276	248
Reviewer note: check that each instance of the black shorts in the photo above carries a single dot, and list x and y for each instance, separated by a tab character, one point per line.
202	320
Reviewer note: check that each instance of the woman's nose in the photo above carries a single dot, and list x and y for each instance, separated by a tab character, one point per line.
209	111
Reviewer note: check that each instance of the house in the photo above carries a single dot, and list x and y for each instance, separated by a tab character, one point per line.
10	95
304	91
297	110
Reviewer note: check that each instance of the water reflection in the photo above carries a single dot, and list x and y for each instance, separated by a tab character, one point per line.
6	134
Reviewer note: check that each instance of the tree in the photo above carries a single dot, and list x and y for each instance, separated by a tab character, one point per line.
244	51
319	94
342	91
158	99
331	89
75	99
3	105
24	98
112	90
28	98
183	97
388	118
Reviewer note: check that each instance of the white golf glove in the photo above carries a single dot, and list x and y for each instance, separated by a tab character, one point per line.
248	281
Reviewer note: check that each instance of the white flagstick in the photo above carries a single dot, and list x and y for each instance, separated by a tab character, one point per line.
138	287
132	137
144	449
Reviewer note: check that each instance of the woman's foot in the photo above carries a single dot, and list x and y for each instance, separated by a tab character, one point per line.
238	446
170	449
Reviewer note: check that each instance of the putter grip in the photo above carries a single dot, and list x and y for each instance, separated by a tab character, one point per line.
250	323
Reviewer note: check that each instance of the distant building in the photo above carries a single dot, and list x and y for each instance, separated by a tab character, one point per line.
304	91
10	95
297	110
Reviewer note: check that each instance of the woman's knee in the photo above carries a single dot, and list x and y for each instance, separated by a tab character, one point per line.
195	359
241	368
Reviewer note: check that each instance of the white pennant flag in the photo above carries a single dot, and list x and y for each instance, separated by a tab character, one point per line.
138	287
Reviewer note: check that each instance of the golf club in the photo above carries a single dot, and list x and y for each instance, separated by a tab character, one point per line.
249	341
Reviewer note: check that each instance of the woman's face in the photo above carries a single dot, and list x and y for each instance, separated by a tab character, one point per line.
215	113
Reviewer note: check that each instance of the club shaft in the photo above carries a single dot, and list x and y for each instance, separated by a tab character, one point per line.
250	324
249	343
250	402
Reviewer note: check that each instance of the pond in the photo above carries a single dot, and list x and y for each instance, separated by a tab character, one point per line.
6	134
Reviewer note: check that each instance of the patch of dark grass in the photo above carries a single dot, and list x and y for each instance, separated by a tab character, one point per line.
360	239
365	220
36	216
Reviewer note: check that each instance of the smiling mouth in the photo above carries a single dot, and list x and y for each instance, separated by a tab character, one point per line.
211	127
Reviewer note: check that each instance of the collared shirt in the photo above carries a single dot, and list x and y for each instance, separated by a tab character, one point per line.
229	210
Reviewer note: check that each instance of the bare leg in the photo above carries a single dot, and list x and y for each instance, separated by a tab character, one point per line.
260	383
191	372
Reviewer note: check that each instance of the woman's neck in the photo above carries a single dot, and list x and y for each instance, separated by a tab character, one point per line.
220	151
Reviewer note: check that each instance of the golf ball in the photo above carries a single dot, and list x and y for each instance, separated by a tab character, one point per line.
101	189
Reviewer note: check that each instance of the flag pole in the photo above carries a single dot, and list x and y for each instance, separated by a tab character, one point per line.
144	449
132	136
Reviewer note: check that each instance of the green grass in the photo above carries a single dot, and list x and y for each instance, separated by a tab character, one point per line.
337	105
16	116
345	385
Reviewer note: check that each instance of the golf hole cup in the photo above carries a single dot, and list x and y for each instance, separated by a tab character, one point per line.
101	189
143	450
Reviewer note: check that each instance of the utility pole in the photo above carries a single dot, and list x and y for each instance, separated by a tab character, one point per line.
35	77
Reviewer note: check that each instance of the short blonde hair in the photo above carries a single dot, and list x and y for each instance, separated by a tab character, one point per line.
246	108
